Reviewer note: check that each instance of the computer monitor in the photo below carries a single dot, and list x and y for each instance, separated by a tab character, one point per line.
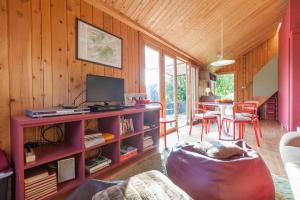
104	89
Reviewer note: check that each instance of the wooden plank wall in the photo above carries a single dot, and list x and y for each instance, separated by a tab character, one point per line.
247	65
38	68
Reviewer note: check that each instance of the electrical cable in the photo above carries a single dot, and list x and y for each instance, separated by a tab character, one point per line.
74	101
59	132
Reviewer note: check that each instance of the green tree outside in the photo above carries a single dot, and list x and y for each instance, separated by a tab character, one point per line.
225	86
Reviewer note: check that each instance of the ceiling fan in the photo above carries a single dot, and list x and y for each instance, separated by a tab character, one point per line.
220	60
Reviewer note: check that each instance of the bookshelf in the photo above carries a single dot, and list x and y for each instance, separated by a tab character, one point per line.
73	144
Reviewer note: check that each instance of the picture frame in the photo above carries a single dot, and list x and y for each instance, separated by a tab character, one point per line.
98	46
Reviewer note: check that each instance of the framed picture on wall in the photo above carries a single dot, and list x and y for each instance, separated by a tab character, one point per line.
98	46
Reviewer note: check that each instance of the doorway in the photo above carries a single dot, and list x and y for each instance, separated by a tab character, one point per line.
224	87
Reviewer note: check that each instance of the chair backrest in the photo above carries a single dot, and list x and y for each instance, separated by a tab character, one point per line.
254	102
241	107
201	107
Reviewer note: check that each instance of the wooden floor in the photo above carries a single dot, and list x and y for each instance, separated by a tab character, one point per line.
269	148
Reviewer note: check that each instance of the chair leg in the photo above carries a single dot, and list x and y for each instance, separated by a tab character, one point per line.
243	131
233	130
191	125
208	126
203	127
227	126
219	128
259	128
240	130
165	135
256	135
177	130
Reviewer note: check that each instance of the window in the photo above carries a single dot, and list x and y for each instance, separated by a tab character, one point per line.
225	86
152	74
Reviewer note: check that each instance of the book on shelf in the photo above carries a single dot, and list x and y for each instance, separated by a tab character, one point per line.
96	164
93	139
127	152
126	126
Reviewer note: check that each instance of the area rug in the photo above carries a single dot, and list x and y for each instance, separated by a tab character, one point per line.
156	161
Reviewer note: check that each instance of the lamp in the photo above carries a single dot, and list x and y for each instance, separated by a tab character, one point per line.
207	90
220	61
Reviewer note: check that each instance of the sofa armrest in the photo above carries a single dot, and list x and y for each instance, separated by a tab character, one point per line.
290	147
290	139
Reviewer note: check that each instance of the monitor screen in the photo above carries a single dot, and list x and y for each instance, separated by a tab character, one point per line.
104	89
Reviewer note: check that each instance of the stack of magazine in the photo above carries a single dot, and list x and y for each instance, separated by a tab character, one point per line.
148	141
127	152
95	164
93	139
39	183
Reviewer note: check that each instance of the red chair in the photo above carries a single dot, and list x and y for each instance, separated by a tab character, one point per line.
256	115
238	118
166	120
200	112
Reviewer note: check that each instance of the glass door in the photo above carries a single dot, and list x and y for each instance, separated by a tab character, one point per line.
152	74
170	110
182	92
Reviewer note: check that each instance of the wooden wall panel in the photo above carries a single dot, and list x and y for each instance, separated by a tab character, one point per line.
19	55
124	35
4	78
59	52
74	66
46	52
38	67
36	54
248	65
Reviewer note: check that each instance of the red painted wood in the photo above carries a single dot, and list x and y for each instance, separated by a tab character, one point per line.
73	144
295	80
289	47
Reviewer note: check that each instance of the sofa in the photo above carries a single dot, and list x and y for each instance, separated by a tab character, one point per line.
290	155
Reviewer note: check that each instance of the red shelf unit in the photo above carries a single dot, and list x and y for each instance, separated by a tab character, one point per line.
73	144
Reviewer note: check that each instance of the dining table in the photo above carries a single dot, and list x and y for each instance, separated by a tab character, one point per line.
226	108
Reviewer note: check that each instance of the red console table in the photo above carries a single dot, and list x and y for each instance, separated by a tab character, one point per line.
73	144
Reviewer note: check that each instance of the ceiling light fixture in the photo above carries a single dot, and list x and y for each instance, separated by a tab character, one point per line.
220	61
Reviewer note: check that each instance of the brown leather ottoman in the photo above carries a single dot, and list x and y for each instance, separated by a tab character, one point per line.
238	178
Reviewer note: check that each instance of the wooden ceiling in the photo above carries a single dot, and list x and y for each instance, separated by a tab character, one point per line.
194	25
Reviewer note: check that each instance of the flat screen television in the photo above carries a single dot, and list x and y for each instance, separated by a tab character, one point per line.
104	89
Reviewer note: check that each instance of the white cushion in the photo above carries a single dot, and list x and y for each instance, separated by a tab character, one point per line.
213	112
237	117
204	116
